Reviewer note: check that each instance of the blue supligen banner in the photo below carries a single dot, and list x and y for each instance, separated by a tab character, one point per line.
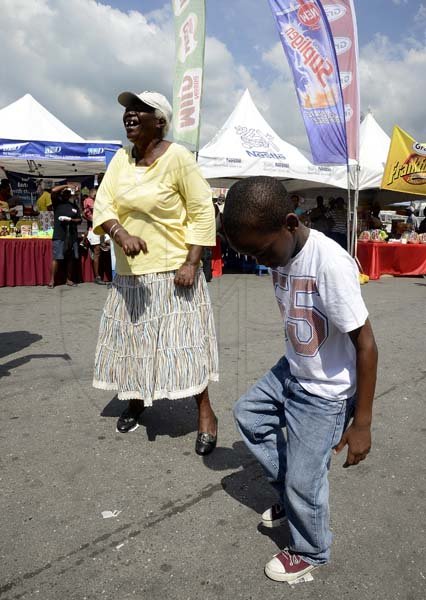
308	44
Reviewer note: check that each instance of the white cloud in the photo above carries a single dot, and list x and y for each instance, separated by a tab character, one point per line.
75	57
392	84
420	17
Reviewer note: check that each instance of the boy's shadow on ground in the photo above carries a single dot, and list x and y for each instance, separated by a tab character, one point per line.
174	418
248	485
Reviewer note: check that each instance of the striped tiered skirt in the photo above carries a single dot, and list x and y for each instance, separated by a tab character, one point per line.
156	340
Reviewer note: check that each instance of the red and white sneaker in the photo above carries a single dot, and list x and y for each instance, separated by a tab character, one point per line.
287	566
274	516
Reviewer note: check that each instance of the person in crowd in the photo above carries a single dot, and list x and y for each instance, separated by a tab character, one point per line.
411	218
157	336
44	202
220	202
327	375
319	217
16	209
295	200
375	221
217	259
206	258
339	226
39	187
94	240
65	236
5	195
422	226
212	258
368	218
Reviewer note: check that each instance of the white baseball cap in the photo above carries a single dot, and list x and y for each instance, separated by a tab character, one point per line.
153	99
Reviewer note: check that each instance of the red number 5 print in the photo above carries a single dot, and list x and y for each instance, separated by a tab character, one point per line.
307	327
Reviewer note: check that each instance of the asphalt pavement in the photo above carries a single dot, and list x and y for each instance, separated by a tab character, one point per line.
181	527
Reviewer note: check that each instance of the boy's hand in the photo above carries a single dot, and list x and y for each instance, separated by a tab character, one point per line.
358	439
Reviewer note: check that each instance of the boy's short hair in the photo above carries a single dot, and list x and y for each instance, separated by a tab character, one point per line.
259	203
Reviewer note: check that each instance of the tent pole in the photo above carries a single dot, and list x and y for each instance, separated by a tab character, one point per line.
348	212
354	242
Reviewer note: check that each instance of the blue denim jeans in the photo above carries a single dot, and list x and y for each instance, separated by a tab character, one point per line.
296	464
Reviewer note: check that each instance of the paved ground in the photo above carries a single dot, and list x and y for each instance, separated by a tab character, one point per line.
189	528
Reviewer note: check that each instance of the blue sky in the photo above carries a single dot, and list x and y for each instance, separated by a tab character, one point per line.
244	25
75	57
241	24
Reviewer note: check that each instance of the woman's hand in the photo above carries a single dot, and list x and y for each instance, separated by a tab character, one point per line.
185	276
131	244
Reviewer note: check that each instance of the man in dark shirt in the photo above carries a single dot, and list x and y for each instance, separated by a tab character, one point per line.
319	217
65	237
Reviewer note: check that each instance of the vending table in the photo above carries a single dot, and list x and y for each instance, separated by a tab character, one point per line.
27	261
391	258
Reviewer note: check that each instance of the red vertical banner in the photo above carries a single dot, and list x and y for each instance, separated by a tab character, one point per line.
342	19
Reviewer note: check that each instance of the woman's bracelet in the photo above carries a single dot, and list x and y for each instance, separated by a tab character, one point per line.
117	231
113	227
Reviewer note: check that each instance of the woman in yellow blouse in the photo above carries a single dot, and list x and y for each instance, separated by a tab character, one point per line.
157	336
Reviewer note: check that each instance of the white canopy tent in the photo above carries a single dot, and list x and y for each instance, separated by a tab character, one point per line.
27	119
34	142
373	153
246	145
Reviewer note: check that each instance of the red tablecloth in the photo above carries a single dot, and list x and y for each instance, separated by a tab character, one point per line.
381	258
28	261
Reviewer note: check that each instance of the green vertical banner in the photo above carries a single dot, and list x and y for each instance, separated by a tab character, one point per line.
190	32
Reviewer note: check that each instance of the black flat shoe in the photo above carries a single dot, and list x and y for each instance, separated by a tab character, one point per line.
205	443
129	420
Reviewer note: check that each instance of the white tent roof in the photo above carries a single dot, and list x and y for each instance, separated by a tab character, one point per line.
246	145
28	122
373	153
27	119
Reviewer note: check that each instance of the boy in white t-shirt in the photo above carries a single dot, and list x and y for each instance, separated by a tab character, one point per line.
327	376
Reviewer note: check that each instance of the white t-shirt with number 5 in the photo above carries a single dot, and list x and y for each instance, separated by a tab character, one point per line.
319	296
